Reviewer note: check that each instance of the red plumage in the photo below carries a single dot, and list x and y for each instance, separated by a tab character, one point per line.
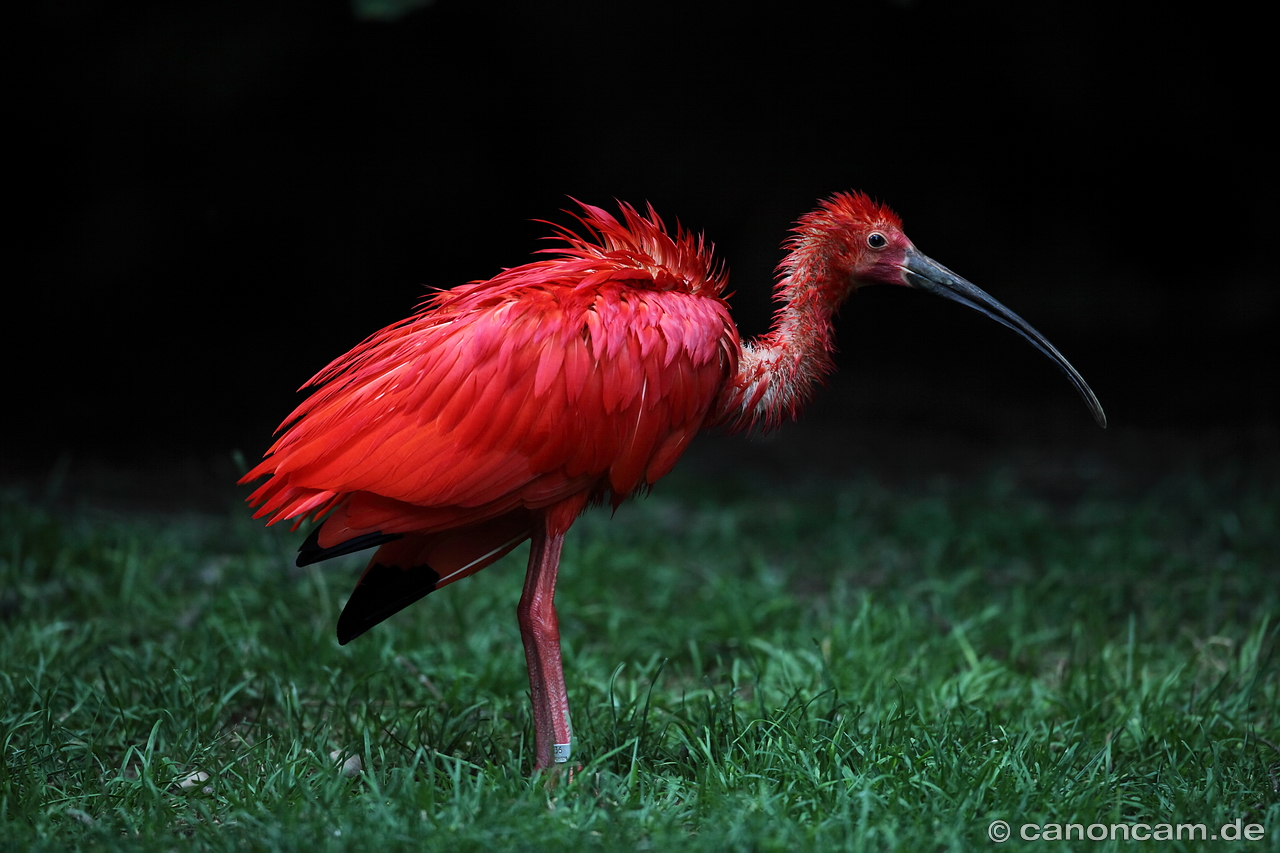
577	378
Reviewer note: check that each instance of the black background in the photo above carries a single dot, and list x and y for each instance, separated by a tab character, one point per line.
215	199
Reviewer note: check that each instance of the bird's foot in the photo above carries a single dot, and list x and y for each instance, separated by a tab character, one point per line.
562	772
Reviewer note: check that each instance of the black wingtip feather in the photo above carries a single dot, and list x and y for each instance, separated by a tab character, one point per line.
382	591
311	552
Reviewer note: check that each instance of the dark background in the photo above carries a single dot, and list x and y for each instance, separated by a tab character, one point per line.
215	199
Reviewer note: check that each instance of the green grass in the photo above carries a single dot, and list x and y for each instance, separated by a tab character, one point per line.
831	666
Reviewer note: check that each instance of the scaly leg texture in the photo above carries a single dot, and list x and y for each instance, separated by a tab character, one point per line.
541	634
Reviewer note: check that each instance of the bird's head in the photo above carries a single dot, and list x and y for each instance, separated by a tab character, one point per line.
849	241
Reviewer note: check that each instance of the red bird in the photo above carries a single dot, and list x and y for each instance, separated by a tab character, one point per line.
502	408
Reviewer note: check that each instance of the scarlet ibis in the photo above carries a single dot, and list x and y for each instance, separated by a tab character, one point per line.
502	408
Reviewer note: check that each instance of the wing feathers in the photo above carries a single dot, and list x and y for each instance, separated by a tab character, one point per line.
514	393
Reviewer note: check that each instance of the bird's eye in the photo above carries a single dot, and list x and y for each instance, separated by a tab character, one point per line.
876	240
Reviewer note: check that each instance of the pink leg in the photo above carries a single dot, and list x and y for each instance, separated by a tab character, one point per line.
541	634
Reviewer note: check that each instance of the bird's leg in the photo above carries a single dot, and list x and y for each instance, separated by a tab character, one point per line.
541	634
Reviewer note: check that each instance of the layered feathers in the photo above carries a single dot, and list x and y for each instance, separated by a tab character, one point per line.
518	400
578	377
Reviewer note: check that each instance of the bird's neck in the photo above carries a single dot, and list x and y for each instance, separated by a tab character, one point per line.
778	371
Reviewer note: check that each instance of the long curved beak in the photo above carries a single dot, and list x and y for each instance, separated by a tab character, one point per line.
926	274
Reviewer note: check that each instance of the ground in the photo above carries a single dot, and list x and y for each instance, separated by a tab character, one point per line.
822	639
